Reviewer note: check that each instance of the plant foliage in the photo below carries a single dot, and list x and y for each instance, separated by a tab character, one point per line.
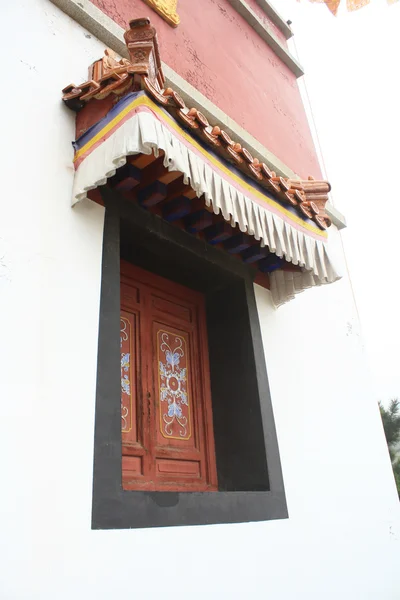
391	425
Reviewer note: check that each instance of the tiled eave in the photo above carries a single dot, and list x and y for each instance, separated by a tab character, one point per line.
111	78
308	197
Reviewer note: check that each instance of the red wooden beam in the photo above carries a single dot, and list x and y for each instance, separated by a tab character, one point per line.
153	194
176	209
254	253
218	233
197	221
270	263
262	279
178	188
237	243
126	178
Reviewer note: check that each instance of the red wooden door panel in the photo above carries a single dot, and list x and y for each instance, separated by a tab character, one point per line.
135	455
166	419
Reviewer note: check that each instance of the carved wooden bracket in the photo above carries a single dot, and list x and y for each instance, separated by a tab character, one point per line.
144	54
166	9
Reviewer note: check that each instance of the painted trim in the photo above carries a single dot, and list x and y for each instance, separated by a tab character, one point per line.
337	218
276	18
132	104
266	34
107	31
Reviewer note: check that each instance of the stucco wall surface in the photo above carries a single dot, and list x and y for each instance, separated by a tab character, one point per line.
221	55
343	535
261	14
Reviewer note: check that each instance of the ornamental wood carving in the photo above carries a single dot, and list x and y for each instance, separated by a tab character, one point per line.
140	41
166	9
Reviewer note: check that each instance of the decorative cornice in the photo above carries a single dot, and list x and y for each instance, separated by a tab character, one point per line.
276	18
109	77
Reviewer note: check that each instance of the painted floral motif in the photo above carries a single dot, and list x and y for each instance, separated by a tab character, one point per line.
125	373
173	386
125	365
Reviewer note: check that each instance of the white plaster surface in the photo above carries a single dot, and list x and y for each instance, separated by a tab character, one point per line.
358	127
343	535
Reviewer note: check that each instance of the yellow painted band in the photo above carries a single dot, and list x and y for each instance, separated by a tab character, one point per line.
146	101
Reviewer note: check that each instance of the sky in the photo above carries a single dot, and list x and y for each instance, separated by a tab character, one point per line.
352	66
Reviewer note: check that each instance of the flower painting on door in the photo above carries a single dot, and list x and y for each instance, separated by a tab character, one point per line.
126	374
173	386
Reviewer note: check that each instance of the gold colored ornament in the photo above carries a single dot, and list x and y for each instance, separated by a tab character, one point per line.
166	9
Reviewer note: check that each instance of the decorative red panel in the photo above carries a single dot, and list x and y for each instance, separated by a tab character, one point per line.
166	420
172	308
181	468
131	466
173	386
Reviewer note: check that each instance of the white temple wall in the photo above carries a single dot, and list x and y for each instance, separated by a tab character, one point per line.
342	536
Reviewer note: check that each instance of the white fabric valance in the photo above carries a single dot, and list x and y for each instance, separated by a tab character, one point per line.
142	127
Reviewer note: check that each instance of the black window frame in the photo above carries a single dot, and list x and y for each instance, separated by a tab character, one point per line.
250	482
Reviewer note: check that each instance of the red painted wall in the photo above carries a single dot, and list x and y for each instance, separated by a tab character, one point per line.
218	52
